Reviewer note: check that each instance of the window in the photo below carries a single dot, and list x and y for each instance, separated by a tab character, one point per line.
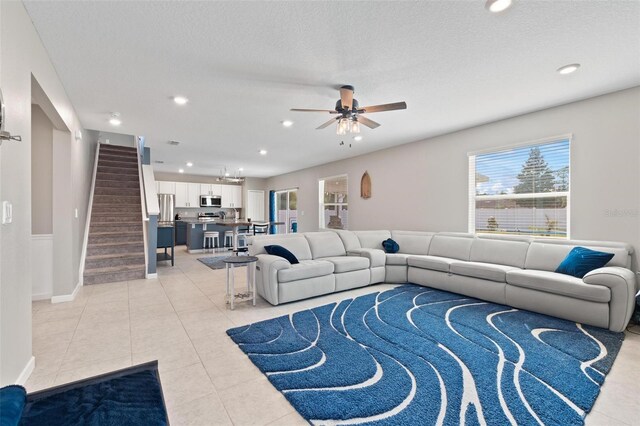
522	190
334	212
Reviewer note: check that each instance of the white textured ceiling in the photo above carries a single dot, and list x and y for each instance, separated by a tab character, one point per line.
244	64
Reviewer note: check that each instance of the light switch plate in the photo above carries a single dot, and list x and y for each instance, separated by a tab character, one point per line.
7	212
75	213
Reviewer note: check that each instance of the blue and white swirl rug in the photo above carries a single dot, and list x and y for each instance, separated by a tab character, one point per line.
415	355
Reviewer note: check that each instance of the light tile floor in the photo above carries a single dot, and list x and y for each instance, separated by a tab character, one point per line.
180	319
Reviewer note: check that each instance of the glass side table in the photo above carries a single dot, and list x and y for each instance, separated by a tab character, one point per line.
230	264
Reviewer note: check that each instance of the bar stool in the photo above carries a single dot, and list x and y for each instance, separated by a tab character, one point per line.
212	238
230	264
228	235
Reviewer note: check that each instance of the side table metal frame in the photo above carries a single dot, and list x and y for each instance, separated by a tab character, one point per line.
251	281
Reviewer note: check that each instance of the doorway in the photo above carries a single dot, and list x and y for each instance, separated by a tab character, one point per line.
287	211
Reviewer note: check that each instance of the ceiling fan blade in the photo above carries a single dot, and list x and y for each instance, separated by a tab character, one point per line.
346	96
327	124
330	111
369	123
384	107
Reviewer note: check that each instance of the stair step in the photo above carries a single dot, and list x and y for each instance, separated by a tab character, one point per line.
117	148
101	210
115	237
109	218
114	274
106	190
108	170
115	248
110	260
123	158
106	183
115	227
122	164
116	199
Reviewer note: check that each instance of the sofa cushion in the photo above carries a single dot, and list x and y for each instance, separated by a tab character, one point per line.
451	246
296	244
347	263
411	242
434	263
580	261
280	251
397	258
565	285
547	256
486	271
372	239
377	258
349	239
325	244
499	251
305	269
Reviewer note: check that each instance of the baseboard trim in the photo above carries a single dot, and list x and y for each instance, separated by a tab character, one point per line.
67	297
152	276
40	296
26	371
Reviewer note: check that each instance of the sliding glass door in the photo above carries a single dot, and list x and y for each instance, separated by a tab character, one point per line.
287	211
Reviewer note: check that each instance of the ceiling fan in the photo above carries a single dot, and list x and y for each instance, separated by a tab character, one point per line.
349	113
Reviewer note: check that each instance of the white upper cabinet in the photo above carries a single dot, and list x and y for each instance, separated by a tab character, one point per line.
231	196
182	194
216	189
163	187
187	194
205	189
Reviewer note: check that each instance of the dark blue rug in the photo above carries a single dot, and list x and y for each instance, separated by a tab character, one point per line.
414	355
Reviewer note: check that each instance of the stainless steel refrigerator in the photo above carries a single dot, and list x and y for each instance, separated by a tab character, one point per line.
167	203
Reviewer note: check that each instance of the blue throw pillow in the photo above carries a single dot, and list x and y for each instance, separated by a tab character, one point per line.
277	250
581	260
390	246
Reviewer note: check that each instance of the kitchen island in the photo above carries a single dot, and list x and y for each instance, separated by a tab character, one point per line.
197	227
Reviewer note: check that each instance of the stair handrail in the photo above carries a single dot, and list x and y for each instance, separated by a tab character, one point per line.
148	200
85	241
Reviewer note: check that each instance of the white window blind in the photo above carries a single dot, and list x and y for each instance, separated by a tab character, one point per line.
524	190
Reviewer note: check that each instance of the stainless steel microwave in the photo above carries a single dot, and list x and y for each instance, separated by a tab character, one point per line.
210	201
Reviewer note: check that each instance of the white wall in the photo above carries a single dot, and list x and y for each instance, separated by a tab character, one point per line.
41	172
21	56
424	185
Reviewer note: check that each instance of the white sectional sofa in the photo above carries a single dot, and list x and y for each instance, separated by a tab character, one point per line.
514	271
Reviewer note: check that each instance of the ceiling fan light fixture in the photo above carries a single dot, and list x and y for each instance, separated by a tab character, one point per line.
355	126
497	6
568	69
343	126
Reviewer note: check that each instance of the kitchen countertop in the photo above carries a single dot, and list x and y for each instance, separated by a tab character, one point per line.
225	222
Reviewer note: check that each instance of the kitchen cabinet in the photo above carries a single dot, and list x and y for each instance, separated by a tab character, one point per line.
163	187
187	194
231	196
181	233
210	189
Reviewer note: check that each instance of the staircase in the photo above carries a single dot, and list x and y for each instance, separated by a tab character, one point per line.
115	249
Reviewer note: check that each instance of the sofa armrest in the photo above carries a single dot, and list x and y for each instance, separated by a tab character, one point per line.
376	257
622	284
267	269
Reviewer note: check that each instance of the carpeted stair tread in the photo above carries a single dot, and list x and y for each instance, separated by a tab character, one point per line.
108	183
112	269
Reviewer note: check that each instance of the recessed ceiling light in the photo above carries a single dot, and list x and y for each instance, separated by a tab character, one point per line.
240	169
115	119
568	69
180	170
180	100
287	123
357	138
263	152
497	6
227	174
189	164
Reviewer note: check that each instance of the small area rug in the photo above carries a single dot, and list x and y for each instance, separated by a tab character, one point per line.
415	355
